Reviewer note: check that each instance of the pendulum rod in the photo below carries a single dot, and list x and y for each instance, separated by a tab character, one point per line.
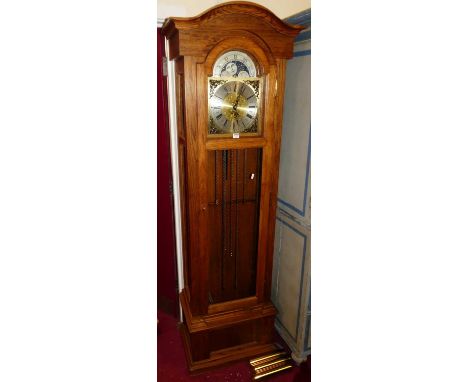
223	215
236	238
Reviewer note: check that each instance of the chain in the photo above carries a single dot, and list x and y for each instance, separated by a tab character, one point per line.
223	213
230	201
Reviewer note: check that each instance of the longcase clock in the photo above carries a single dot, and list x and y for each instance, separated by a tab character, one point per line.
230	71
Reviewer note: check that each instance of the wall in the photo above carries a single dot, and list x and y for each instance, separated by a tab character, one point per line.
188	8
291	258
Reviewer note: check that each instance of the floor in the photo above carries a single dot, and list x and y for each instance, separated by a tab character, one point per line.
172	366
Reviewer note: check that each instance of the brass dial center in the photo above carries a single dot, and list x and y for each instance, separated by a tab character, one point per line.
234	106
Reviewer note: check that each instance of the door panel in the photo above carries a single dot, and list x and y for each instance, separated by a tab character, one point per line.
233	207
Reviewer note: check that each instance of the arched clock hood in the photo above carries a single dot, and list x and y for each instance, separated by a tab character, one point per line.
222	21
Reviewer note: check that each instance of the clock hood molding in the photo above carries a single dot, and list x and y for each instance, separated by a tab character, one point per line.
232	16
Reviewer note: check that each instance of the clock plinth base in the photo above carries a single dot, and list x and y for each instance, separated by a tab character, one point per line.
222	357
221	338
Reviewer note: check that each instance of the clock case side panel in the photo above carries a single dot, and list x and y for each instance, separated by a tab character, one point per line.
183	173
190	140
276	132
196	162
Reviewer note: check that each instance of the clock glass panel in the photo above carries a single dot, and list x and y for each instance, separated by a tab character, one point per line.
234	180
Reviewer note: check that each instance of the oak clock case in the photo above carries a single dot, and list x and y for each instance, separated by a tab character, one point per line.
230	66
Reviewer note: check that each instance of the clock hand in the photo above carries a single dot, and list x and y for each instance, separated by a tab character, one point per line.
234	108
236	103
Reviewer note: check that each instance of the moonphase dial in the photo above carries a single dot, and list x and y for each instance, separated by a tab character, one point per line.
234	64
233	108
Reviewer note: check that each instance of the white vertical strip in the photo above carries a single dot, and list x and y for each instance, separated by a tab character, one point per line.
171	95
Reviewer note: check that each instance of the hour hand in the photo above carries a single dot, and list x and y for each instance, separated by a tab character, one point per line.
237	102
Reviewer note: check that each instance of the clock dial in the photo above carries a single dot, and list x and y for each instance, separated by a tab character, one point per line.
234	64
233	107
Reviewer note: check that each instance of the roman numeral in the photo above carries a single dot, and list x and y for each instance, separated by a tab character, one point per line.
219	116
250	116
253	95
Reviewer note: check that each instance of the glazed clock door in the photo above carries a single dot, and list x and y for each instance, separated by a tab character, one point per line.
234	177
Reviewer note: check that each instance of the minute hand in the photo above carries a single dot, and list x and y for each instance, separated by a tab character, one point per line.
236	103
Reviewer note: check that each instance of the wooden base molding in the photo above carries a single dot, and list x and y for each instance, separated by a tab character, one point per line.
222	357
213	340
